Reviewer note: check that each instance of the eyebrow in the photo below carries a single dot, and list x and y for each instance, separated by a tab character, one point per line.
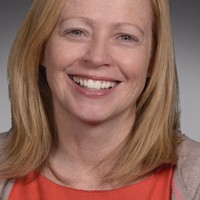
91	21
87	20
121	24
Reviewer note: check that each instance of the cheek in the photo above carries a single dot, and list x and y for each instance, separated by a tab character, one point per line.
55	57
54	62
59	54
133	62
135	65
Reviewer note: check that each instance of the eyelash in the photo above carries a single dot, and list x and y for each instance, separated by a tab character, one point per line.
75	33
128	38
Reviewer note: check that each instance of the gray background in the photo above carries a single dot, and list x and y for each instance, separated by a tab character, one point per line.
186	29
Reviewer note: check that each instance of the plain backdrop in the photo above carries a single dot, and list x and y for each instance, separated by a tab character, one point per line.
186	29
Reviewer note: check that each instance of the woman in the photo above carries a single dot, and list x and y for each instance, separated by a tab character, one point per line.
94	98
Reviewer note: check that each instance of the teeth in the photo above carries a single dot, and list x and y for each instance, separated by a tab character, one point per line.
91	84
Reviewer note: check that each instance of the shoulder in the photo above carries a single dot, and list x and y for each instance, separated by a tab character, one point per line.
189	155
5	188
3	139
5	185
189	147
187	171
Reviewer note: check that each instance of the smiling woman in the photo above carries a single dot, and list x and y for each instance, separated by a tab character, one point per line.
94	99
84	49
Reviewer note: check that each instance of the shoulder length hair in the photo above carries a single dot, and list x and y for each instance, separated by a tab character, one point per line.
153	141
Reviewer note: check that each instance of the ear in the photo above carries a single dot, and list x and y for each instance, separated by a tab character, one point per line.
152	60
151	65
149	70
42	60
42	65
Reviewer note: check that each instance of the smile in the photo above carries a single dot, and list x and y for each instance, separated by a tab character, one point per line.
93	84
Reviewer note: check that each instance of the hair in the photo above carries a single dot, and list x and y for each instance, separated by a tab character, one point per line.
154	139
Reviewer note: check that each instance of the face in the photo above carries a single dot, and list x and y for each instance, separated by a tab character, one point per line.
97	58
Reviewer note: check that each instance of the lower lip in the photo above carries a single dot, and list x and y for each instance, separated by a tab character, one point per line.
93	92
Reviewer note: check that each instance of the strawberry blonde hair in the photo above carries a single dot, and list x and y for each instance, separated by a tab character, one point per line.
154	139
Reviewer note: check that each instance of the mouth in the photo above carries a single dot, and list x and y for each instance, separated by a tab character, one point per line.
93	84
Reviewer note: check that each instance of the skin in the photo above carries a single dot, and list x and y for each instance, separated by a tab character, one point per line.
93	40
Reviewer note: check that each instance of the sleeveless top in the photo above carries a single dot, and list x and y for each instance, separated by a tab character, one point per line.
155	187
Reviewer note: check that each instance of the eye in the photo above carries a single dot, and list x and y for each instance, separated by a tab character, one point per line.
128	38
75	33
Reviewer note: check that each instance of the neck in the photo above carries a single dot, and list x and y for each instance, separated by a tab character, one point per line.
83	149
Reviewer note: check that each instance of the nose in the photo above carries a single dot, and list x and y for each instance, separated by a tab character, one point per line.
98	53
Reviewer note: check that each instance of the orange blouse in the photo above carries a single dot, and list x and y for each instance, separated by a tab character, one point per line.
155	187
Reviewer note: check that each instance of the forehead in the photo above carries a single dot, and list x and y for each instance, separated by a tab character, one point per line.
130	11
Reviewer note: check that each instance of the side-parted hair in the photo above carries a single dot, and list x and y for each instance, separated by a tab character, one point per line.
154	139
